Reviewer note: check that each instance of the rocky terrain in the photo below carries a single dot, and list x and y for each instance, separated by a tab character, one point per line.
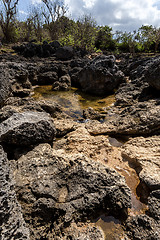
60	176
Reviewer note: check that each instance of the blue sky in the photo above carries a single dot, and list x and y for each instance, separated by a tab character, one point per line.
125	15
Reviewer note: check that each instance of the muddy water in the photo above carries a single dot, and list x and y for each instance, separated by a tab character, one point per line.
73	103
130	175
112	227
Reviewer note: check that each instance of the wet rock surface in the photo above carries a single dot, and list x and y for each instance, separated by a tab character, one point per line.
145	154
12	224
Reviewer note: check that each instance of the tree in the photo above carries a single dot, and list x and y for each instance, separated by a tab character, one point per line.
37	21
149	35
104	40
65	28
52	13
84	33
127	41
7	19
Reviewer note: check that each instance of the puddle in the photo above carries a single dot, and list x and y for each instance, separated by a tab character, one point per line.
115	142
111	227
73	101
131	177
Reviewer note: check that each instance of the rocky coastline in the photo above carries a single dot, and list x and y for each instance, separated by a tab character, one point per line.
59	174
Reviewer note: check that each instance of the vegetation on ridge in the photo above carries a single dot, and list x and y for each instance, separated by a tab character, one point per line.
51	23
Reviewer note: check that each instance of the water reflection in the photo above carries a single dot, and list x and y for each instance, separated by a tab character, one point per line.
111	227
73	101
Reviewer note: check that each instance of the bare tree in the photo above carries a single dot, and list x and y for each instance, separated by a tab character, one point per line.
54	11
7	18
35	23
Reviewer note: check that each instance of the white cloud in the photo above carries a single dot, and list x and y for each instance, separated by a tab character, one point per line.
36	1
23	12
119	14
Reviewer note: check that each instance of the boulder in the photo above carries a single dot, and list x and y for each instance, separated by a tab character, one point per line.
27	128
92	114
55	44
47	78
146	69
62	70
65	53
63	83
7	111
31	49
17	104
133	92
12	224
59	187
100	76
50	107
152	75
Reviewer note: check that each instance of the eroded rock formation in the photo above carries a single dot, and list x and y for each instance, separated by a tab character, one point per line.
12	224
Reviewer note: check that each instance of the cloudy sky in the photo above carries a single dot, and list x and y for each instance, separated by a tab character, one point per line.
125	15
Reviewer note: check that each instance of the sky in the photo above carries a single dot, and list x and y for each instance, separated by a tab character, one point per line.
125	15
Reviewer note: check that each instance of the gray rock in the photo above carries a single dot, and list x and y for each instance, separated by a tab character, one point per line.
27	128
139	119
55	44
154	205
92	114
83	232
65	53
147	70
100	76
142	227
5	86
47	78
20	84
63	83
50	107
57	186
7	111
12	224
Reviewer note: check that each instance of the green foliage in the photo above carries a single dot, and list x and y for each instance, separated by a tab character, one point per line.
84	33
104	39
50	23
149	36
67	40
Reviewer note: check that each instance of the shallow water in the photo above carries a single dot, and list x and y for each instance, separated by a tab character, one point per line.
73	101
111	227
